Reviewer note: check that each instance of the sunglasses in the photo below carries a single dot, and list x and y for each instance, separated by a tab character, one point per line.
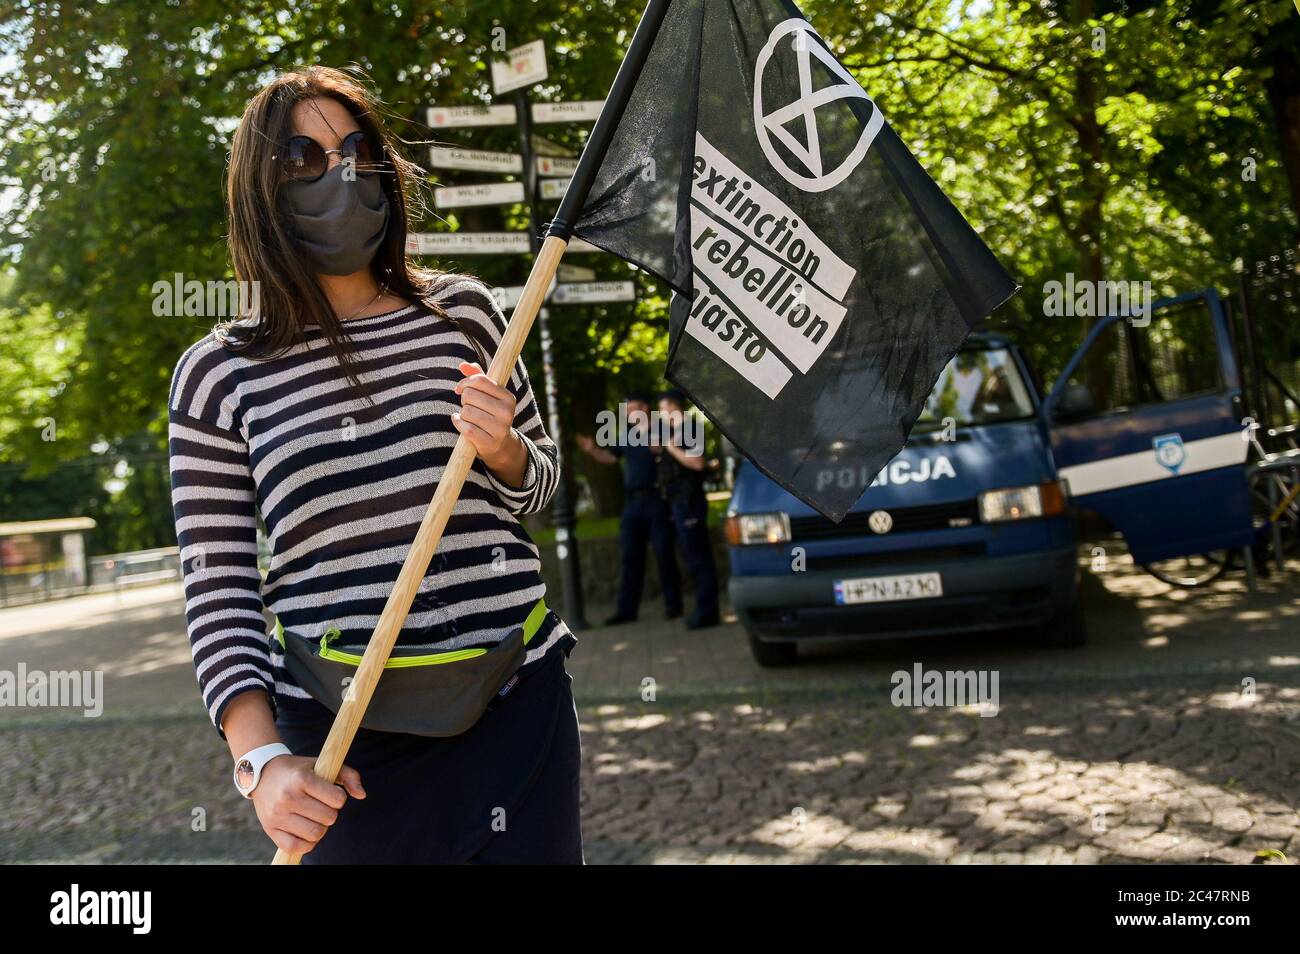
303	159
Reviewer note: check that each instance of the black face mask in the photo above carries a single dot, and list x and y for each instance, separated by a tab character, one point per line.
338	222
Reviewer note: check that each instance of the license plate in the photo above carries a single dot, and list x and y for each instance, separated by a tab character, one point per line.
885	589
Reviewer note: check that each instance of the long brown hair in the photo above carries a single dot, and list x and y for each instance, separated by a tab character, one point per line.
263	250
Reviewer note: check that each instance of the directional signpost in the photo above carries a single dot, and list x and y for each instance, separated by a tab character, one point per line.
523	66
575	273
553	188
533	56
582	111
545	147
570	293
487	193
582	246
507	296
589	293
556	166
448	117
544	168
452	244
476	160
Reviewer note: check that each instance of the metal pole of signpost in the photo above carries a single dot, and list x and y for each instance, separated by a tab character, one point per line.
562	512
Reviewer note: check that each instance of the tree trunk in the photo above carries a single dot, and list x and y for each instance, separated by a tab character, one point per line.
1284	95
1098	366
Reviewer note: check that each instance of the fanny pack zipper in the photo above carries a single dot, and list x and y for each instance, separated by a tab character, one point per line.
531	625
394	662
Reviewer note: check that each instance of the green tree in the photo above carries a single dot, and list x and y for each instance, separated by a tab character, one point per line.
118	123
1079	137
1101	137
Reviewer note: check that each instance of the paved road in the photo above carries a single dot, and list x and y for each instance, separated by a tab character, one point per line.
1174	736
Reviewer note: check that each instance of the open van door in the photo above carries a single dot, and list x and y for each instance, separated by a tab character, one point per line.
1152	437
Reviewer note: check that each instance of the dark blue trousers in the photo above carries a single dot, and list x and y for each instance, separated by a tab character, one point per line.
646	518
504	792
691	519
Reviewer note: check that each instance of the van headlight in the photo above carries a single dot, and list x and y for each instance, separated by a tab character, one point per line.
1021	503
746	528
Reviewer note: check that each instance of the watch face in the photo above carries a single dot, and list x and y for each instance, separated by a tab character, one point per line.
244	775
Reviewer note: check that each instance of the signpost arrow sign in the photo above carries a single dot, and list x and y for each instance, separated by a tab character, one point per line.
478	160
487	193
523	66
552	188
581	246
545	147
555	166
580	111
507	296
586	293
468	243
482	243
452	117
575	273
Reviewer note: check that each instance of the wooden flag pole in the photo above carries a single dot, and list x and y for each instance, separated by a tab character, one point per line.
353	708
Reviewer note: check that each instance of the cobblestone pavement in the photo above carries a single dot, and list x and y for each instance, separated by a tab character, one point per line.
1059	775
1174	736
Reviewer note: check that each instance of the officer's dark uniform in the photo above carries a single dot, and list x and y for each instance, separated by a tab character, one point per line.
683	488
645	517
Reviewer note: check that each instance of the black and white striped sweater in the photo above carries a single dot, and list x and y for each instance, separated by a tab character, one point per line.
342	486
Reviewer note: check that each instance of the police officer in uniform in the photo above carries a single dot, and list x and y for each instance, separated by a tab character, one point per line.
681	480
646	515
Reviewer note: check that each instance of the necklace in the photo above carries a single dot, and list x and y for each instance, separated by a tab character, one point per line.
379	294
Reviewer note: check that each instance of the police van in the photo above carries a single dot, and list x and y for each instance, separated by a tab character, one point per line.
974	525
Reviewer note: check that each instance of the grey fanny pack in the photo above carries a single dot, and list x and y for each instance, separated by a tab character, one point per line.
436	694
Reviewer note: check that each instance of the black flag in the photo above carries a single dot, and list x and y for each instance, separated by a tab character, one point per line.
822	280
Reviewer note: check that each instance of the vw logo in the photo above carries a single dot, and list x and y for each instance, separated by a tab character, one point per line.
880	521
772	125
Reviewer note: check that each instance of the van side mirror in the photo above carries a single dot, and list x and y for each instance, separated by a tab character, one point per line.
1075	402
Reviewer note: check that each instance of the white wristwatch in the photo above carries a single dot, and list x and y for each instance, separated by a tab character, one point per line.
248	769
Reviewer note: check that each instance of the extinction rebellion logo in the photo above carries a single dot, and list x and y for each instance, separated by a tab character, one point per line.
773	124
768	291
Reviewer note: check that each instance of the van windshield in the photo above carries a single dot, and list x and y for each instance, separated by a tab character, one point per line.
977	387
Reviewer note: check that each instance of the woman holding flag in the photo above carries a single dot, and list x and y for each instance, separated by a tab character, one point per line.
843	346
330	413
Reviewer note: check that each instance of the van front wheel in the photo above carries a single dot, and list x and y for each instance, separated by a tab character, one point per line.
770	655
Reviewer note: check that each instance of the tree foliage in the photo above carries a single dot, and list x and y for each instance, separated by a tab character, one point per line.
1093	136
